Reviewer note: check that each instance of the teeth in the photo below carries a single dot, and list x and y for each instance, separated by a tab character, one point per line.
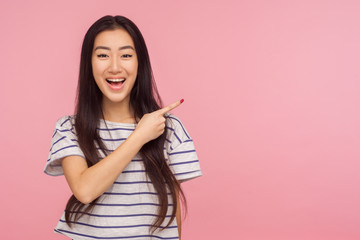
115	79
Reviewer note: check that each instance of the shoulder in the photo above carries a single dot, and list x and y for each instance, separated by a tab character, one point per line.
65	122
65	125
176	129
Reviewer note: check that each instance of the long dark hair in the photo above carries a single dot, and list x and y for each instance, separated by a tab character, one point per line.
144	98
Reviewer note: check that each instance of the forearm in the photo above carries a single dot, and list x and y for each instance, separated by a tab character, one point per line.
95	180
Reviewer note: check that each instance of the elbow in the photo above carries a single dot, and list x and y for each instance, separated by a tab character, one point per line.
83	196
84	200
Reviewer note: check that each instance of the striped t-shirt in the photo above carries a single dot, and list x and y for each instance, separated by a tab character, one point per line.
128	208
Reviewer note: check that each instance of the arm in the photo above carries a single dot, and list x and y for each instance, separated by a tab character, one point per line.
88	183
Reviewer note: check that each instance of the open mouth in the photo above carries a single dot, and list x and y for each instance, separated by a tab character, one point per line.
115	81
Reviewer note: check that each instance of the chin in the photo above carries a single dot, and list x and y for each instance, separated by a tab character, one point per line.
116	99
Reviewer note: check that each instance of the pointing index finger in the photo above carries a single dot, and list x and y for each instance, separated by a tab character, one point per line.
170	107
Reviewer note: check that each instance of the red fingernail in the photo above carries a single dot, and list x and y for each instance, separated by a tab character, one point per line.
182	100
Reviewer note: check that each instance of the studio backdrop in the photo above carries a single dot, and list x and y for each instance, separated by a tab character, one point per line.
271	93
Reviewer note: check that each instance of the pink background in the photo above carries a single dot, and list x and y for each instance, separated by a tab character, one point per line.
271	93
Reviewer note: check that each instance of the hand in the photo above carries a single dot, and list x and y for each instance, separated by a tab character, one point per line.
152	125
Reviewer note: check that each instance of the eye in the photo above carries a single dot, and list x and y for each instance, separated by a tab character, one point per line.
126	56
101	55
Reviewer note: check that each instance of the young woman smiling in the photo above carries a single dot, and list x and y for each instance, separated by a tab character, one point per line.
122	154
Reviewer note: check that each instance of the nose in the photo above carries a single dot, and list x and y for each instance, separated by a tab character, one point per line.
115	66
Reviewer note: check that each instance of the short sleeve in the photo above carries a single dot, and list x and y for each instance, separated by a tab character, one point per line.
182	156
63	143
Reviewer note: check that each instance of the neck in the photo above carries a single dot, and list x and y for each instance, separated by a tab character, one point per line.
118	112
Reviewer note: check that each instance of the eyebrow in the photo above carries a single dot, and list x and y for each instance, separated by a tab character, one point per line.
120	48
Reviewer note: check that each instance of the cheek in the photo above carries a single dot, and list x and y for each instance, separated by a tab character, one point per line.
96	72
97	68
94	67
131	68
135	69
135	66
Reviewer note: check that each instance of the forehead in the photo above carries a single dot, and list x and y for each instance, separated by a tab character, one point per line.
113	39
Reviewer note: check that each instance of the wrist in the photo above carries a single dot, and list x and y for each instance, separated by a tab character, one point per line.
137	137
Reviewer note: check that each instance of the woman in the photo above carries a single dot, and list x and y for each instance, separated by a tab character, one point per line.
123	156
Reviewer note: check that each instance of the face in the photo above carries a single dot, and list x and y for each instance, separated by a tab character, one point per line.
114	63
